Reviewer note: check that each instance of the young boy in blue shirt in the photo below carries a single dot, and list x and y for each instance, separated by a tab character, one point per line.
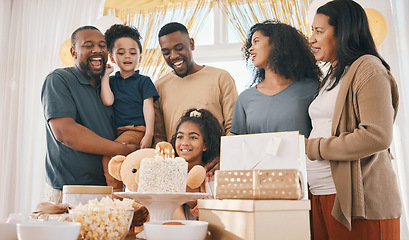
131	94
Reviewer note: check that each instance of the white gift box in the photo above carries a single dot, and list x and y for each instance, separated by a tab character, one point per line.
279	150
233	219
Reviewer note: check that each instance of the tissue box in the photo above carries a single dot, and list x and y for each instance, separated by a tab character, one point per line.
259	184
233	219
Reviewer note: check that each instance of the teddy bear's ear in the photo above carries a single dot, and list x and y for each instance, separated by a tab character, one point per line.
196	176
114	166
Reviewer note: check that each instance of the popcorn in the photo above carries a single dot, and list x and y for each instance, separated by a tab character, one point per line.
104	220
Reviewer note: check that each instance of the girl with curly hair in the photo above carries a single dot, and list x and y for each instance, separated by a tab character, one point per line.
197	137
285	81
197	140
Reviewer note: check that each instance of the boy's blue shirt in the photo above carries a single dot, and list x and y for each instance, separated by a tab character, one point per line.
129	95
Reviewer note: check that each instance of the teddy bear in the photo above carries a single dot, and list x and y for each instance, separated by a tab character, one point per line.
126	169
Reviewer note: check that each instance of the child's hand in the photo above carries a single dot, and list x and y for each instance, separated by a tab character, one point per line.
108	70
195	211
140	215
146	142
107	95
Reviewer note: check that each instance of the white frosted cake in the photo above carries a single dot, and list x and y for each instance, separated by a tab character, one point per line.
162	175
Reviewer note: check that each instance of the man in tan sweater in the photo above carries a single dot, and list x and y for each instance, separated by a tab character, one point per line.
189	85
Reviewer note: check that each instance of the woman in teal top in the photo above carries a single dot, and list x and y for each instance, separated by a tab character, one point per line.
285	81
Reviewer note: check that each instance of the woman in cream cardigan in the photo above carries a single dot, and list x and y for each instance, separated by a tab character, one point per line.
353	186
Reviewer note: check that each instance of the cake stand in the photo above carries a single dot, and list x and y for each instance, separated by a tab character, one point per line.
161	205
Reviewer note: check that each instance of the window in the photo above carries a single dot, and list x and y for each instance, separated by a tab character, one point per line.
219	46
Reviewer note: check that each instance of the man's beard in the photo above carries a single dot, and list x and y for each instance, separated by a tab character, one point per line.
182	75
187	70
88	71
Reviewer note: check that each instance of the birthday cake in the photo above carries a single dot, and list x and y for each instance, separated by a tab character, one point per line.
161	174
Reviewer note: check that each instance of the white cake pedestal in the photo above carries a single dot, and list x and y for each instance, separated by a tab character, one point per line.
161	205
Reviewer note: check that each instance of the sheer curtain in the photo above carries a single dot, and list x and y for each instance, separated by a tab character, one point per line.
400	40
245	13
31	35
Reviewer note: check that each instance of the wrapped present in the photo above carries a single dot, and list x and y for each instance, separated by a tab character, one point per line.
244	219
259	184
265	151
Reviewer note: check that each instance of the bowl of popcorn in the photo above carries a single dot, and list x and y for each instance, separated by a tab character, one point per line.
104	219
176	230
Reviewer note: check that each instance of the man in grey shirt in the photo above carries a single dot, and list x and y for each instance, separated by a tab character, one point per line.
79	127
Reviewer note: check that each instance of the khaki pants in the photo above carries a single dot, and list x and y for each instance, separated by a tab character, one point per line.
325	226
127	134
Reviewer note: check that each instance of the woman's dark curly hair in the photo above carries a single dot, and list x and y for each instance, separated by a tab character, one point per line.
291	55
210	128
117	31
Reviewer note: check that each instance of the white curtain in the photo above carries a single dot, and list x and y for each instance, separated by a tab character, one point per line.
31	35
399	20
